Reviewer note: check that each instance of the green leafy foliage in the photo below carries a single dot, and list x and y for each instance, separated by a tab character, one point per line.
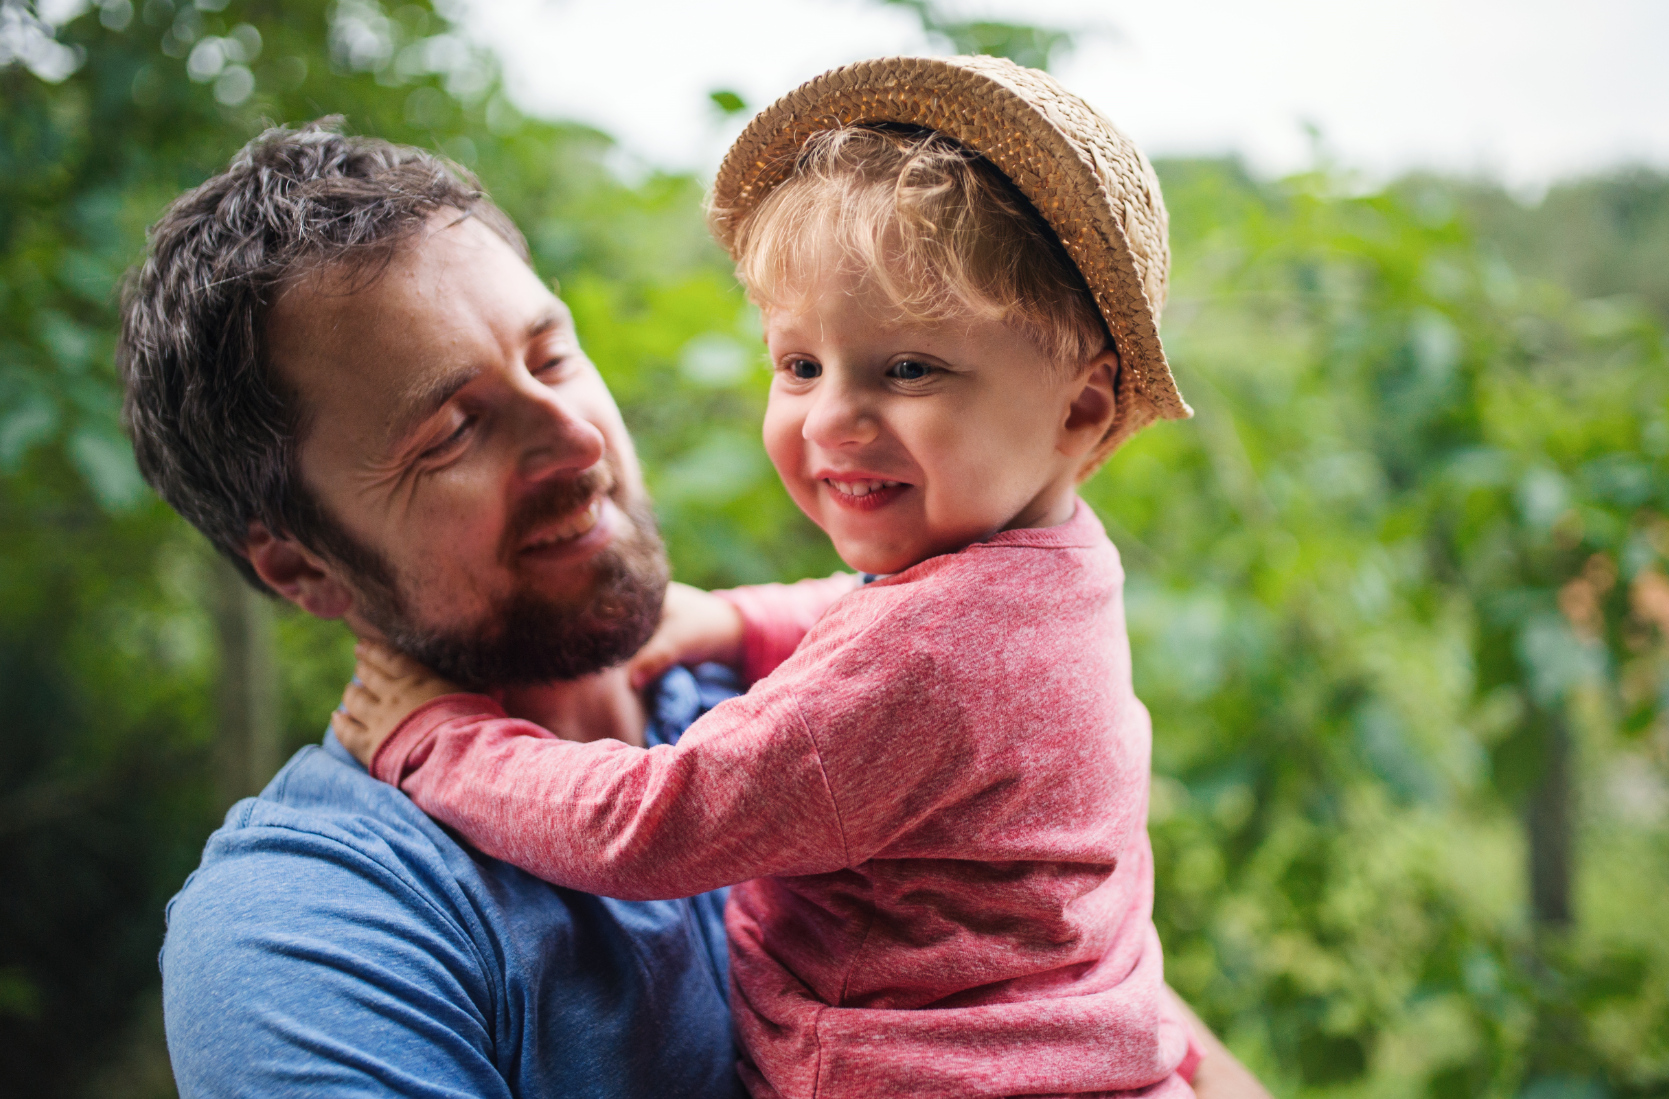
1028	44
727	101
1418	519
1411	549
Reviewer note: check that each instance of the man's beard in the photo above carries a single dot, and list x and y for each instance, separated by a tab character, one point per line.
527	637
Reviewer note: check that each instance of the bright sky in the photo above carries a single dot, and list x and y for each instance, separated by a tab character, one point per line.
1523	90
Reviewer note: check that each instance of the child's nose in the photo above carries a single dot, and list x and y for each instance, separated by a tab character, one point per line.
839	417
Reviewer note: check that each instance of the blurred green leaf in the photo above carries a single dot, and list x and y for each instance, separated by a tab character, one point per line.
28	420
1032	45
107	463
727	101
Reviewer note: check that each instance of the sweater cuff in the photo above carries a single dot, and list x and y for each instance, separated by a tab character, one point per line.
1191	1060
766	639
408	746
777	617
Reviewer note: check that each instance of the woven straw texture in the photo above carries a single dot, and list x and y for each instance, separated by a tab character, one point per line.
1090	183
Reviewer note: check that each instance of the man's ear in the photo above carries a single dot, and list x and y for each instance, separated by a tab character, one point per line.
297	574
1091	412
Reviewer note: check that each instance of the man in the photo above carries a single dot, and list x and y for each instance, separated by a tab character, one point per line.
341	369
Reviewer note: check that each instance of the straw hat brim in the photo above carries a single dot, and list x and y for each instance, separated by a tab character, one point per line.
1088	181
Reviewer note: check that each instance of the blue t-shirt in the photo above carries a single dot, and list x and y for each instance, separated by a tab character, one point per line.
337	942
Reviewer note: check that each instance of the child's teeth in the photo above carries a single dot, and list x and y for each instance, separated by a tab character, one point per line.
862	488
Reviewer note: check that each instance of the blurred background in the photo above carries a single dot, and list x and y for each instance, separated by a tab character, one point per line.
1398	593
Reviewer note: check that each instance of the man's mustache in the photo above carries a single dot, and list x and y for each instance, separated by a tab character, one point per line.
555	500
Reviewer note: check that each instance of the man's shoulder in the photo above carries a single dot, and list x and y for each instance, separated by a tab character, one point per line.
319	895
324	808
325	846
332	927
324	805
326	843
322	796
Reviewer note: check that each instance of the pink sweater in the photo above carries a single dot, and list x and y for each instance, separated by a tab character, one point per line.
936	808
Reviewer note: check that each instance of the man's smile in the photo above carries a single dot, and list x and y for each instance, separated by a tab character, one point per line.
565	520
575	535
572	526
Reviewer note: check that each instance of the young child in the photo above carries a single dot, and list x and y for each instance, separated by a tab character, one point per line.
932	802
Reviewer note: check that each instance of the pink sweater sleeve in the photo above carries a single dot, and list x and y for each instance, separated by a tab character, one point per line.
775	617
741	795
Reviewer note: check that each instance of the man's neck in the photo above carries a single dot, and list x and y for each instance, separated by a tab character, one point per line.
594	708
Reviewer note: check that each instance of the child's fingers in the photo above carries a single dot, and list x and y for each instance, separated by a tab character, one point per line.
359	700
650	661
390	671
390	662
394	665
347	725
374	679
355	737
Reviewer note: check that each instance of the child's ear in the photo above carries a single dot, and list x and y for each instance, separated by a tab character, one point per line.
1091	412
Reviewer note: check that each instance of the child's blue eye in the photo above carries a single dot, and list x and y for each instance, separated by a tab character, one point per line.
805	369
910	371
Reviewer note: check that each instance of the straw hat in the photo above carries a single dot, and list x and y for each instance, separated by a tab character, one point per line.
1090	183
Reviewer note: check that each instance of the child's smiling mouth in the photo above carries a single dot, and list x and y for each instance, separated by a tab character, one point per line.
863	493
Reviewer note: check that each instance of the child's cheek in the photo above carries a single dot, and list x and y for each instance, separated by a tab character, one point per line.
786	448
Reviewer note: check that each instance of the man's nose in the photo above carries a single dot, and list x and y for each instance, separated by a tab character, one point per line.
839	416
554	438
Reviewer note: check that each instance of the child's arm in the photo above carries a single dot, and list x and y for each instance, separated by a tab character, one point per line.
751	629
775	617
744	798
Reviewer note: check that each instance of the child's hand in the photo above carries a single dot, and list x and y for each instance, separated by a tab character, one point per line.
695	627
386	688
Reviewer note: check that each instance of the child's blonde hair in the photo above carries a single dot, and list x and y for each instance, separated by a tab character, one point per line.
933	226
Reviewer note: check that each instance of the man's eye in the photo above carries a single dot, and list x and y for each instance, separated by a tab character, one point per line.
451	440
910	371
805	369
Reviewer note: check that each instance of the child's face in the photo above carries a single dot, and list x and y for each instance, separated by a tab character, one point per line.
906	440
